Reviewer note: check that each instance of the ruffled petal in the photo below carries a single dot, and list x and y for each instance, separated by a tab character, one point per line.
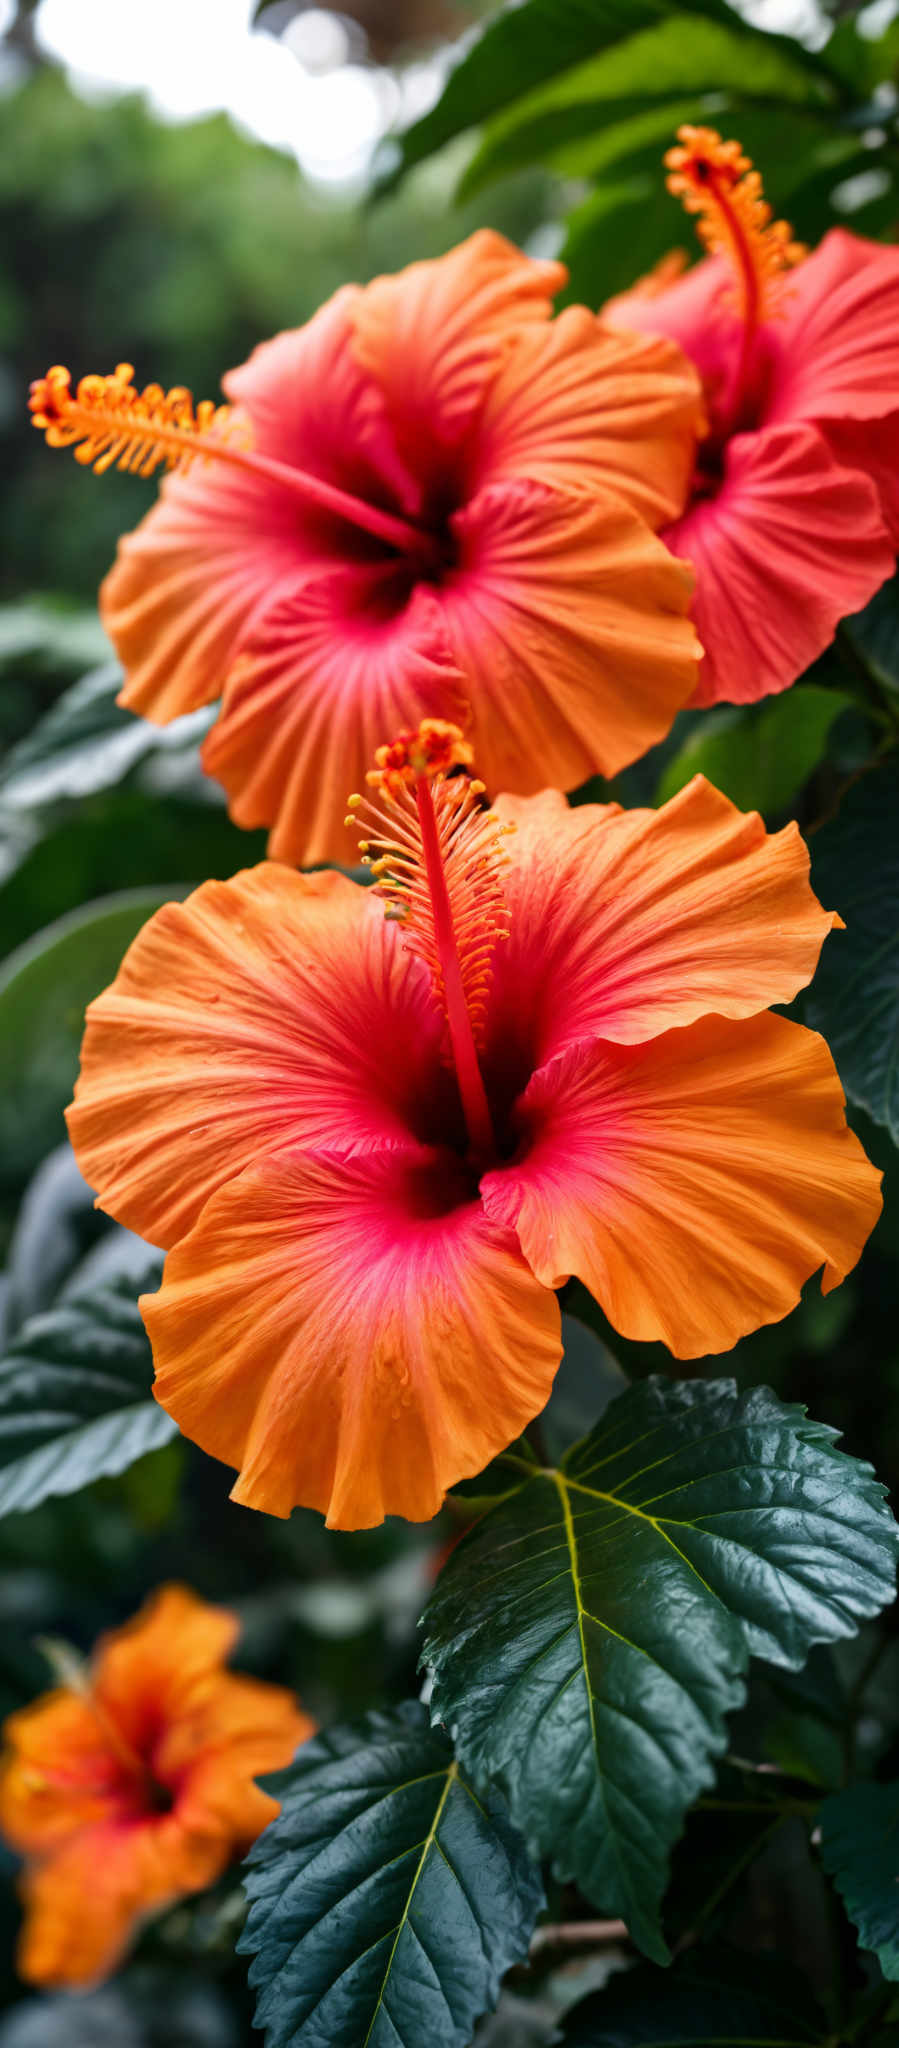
314	406
785	549
243	1729
162	1664
577	404
333	673
432	335
871	446
566	615
696	311
694	1183
352	1334
835	351
268	1010
224	545
193	579
624	924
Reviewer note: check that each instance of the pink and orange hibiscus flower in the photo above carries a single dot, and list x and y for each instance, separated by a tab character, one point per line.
375	1148
793	515
432	500
135	1786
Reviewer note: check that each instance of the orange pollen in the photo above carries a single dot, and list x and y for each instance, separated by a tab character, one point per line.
716	182
107	420
432	749
435	851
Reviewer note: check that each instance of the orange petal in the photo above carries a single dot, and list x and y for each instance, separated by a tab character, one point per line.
567	617
240	1730
694	1183
623	924
325	679
163	1662
579	405
84	1903
432	335
250	1017
191	582
58	1772
353	1334
222	546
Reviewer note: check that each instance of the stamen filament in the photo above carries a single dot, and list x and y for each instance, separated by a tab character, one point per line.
472	1093
717	183
109	422
436	857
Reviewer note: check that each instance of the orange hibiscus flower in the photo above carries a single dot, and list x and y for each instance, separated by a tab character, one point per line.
136	1786
377	1146
432	500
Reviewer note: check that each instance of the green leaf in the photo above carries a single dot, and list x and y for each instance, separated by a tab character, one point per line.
714	1999
589	1636
854	999
617	235
46	636
588	1378
669	66
525	45
860	1849
86	742
45	987
874	635
75	1394
386	1901
759	754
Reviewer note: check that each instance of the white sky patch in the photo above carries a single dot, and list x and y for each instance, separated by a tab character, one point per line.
304	94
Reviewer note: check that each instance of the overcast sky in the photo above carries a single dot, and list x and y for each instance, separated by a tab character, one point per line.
304	92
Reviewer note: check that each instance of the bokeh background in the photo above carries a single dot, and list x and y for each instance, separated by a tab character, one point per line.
176	185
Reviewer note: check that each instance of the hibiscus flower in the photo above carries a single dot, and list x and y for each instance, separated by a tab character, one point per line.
432	500
133	1784
374	1148
793	519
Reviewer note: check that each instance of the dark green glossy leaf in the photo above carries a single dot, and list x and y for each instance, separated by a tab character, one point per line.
854	999
860	1849
589	1636
525	45
714	1999
45	987
75	1393
386	1901
759	754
